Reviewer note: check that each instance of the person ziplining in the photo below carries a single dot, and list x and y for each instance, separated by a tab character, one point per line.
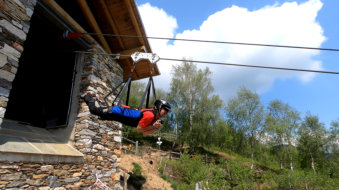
147	120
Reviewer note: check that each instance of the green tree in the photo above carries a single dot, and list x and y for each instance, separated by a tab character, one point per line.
190	87
205	120
223	135
334	150
312	138
246	114
281	124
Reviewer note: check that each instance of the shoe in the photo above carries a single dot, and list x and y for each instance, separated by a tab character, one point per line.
92	100
89	98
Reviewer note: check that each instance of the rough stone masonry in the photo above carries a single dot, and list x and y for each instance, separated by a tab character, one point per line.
98	140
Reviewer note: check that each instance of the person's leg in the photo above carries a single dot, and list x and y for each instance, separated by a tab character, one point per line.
105	113
94	105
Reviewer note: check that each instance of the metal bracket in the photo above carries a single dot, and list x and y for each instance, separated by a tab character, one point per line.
152	57
116	56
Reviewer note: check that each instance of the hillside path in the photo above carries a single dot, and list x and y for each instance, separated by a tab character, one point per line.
149	171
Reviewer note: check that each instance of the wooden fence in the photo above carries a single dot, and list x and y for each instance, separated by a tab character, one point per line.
141	151
168	136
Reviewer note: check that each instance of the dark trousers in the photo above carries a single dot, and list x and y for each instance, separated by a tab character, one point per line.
105	113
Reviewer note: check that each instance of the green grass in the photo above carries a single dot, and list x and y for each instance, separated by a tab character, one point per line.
137	170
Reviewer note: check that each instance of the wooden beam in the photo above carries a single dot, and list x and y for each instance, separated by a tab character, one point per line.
110	20
93	24
134	13
131	51
134	20
65	16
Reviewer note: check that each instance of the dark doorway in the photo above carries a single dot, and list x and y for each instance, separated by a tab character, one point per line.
42	88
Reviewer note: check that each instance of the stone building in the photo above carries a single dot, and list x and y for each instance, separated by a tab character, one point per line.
48	138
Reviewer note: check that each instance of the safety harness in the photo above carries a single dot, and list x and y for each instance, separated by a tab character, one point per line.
122	113
127	115
126	84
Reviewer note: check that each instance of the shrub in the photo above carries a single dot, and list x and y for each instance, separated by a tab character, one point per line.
218	179
137	170
191	169
305	179
239	175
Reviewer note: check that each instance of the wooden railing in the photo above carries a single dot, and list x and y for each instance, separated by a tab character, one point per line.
141	150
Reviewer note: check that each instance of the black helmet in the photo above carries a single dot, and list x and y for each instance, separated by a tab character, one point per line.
159	104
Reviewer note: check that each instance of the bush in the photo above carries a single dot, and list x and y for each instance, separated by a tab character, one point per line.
137	170
173	183
188	170
218	179
239	176
305	179
191	169
228	174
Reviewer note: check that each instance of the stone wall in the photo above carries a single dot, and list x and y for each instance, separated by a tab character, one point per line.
14	25
49	176
98	140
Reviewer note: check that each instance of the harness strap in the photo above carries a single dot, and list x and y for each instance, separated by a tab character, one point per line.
147	92
123	84
136	57
148	89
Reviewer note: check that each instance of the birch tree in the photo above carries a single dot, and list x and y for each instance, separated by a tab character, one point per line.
282	122
334	149
246	113
189	84
312	138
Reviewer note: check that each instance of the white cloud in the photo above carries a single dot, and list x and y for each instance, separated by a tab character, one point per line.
157	23
287	24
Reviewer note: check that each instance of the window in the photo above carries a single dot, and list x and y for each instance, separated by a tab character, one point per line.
42	105
42	88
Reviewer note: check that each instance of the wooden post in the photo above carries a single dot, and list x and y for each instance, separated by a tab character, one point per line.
136	147
198	186
126	176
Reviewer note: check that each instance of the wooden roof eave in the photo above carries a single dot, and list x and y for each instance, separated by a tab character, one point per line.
110	20
63	15
136	20
143	33
93	24
133	13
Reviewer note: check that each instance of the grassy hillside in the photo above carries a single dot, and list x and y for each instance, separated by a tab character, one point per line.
221	170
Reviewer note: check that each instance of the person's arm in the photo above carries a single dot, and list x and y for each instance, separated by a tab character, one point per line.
149	129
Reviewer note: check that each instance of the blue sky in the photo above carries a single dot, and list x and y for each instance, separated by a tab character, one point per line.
310	23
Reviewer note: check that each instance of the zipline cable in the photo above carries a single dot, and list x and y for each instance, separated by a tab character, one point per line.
74	35
254	66
226	64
